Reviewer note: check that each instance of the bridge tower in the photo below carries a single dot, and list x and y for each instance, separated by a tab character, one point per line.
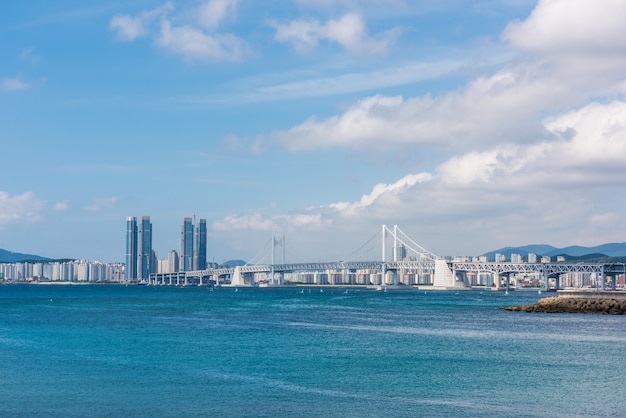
280	242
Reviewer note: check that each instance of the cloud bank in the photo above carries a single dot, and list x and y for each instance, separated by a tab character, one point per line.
531	148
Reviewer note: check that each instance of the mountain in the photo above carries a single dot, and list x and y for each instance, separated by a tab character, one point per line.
11	257
233	263
612	250
609	250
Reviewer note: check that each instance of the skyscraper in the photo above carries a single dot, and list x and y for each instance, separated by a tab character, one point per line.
145	257
173	261
199	250
131	248
186	245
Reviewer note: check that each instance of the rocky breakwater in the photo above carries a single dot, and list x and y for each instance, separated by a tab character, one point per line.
583	302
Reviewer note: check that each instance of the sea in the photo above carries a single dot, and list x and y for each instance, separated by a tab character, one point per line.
146	351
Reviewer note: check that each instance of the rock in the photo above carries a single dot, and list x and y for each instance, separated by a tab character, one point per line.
575	305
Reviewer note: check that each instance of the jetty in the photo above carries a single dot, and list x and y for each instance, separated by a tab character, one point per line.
577	301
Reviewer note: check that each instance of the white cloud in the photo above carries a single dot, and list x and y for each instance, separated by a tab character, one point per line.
349	31
359	81
213	12
28	55
129	28
571	26
381	193
61	206
194	41
14	84
99	204
505	107
256	222
24	208
552	189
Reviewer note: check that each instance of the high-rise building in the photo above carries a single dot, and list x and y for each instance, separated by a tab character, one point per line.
186	245
131	248
199	250
173	262
145	266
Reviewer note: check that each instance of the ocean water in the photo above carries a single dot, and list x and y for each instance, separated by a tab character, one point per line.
166	351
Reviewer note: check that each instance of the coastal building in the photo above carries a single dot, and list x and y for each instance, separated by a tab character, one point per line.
199	249
163	266
173	261
70	271
131	248
186	245
145	266
193	245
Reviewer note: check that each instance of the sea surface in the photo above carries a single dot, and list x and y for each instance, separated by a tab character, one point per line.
115	351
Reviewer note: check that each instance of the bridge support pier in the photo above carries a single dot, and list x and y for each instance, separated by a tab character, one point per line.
383	273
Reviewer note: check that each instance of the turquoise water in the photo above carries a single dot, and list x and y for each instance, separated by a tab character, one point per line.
157	351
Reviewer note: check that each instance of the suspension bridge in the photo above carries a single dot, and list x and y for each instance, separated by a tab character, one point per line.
403	262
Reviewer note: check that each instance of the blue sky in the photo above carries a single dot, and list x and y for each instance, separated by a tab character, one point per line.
471	125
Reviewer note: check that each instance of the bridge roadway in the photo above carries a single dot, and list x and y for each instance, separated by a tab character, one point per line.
546	270
203	276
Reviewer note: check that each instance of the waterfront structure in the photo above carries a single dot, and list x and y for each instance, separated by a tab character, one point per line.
193	245
173	261
146	257
69	271
131	248
186	245
199	249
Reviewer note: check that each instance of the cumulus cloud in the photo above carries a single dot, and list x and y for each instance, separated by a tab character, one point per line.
489	109
381	194
14	84
571	26
532	192
195	39
24	208
104	203
557	71
349	31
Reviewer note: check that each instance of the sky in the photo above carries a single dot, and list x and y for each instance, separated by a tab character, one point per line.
472	125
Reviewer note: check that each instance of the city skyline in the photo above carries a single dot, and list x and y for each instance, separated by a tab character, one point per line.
473	126
142	259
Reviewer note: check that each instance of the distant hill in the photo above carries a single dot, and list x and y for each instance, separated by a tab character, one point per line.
233	263
11	257
574	251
